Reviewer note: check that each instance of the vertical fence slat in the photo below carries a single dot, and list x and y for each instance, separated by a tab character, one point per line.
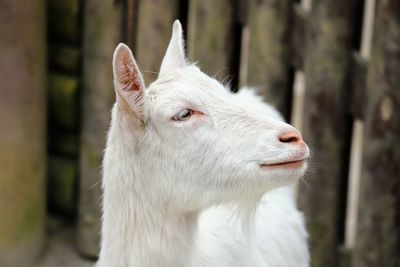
210	36
378	230
103	23
155	20
269	47
357	109
326	66
22	138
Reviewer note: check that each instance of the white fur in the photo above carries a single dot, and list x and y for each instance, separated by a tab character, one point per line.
192	193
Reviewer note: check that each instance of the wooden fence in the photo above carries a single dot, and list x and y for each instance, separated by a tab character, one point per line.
332	67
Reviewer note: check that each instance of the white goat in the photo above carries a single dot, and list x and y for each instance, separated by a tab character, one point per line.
186	168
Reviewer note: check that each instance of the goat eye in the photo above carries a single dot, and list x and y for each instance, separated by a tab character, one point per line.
183	115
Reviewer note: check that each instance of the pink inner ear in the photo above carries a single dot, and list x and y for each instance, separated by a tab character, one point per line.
128	75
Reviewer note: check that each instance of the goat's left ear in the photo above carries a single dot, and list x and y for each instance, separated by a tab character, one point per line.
128	83
175	56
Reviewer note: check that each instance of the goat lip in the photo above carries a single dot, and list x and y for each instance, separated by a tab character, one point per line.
287	164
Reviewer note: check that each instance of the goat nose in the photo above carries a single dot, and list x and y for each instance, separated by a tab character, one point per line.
292	137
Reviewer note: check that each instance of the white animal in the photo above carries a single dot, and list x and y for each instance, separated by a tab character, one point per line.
186	169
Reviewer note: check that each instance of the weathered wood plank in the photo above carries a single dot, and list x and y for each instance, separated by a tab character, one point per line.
155	20
103	24
210	36
269	49
326	66
22	134
378	230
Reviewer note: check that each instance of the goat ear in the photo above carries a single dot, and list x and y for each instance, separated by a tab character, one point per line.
175	56
128	82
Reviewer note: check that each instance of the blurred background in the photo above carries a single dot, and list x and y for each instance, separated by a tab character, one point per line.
332	67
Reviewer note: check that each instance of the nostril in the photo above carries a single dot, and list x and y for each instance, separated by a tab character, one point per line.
290	137
290	140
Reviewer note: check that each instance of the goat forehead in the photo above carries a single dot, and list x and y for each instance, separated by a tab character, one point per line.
188	90
191	88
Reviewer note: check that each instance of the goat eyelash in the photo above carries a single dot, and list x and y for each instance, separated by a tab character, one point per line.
187	114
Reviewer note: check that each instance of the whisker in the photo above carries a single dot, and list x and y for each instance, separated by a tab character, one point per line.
152	72
227	81
218	72
95	184
305	182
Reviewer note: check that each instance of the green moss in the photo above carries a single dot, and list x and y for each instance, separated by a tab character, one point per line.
316	229
63	102
345	257
61	185
91	156
22	198
31	224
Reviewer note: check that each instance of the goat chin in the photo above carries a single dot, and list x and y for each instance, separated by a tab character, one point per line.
194	175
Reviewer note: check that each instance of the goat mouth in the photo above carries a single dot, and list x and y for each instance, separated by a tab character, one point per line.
288	164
